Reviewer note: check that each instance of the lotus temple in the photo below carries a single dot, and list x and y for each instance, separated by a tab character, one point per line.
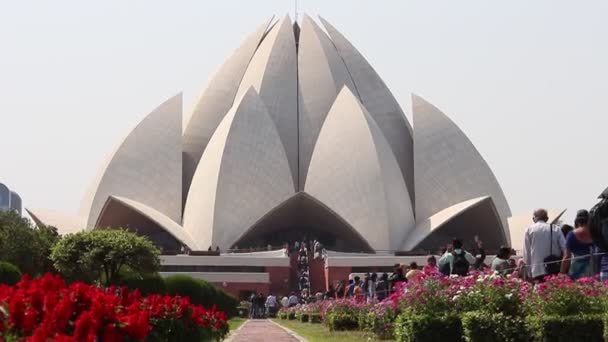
295	135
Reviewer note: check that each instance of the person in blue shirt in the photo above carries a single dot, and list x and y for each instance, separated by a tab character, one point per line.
579	248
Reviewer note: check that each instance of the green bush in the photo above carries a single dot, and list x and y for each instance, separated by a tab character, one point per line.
9	273
146	283
379	321
201	292
282	315
481	326
291	315
314	318
423	328
337	321
588	328
304	317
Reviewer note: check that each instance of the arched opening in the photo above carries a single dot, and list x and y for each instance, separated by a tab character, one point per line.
480	220
116	214
302	217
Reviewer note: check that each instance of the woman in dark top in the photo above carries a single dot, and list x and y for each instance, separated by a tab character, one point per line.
579	247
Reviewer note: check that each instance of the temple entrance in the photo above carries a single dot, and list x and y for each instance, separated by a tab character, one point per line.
299	218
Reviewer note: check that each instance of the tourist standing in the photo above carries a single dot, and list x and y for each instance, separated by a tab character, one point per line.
579	248
544	246
431	265
459	259
414	272
500	263
382	287
271	305
397	276
293	300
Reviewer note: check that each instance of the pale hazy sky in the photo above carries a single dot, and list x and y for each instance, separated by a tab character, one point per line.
525	80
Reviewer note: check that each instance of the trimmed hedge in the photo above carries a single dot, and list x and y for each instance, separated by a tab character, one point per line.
337	321
9	273
201	292
146	283
291	315
304	318
493	327
423	328
588	328
314	318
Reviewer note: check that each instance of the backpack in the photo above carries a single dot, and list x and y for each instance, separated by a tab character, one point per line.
460	264
445	269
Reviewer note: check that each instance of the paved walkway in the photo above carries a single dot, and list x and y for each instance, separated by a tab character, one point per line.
262	330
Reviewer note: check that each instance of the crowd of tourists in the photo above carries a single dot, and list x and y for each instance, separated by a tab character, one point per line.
548	250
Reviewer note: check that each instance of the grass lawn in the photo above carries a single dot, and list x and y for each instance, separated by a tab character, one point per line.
320	333
236	322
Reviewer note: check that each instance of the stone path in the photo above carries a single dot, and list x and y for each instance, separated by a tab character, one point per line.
261	330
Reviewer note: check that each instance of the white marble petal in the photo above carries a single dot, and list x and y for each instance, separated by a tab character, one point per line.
215	100
273	74
380	103
449	169
354	172
242	175
322	74
146	167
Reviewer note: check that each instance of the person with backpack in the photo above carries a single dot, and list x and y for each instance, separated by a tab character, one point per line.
459	259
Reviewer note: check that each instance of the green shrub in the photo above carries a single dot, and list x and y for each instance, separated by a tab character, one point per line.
481	326
304	317
588	328
337	321
379	320
314	318
146	283
9	273
423	328
291	315
201	292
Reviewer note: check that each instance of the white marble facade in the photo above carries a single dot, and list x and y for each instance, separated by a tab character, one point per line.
296	109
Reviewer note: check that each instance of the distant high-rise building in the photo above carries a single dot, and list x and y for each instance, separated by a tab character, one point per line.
9	199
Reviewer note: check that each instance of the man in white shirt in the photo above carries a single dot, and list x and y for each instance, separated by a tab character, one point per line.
271	304
538	244
293	300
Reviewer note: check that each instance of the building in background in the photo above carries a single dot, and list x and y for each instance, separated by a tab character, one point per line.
9	200
295	136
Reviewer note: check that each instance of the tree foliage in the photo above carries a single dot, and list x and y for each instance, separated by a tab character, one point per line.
99	255
24	245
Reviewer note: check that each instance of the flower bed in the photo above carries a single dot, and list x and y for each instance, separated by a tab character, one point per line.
45	309
480	307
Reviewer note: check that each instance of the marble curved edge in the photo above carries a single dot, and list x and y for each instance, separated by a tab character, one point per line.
272	72
15	202
159	218
216	99
65	223
304	209
243	173
519	223
431	224
321	76
365	188
379	102
147	166
448	168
